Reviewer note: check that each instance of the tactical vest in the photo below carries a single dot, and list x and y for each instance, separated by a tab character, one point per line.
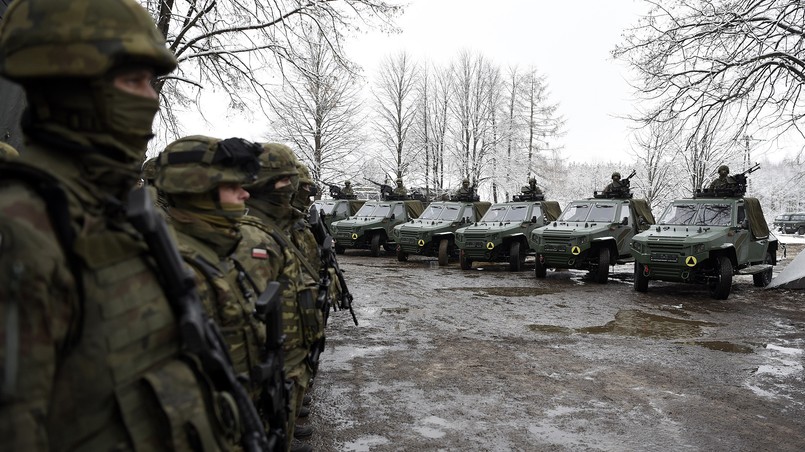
301	320
229	299
121	381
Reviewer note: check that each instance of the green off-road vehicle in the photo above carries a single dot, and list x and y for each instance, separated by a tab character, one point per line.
791	223
370	227
332	210
502	233
590	234
432	233
706	240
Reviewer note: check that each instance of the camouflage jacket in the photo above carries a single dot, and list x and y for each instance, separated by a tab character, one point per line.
95	361
266	254
229	299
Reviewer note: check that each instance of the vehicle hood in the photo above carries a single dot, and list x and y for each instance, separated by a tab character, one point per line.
573	229
493	228
426	225
358	222
682	234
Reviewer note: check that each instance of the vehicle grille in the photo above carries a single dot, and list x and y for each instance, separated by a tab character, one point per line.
408	237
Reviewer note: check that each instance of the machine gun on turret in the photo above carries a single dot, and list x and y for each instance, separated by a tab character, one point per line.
736	190
624	191
386	192
337	193
468	195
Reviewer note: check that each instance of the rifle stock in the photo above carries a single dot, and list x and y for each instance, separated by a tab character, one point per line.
200	336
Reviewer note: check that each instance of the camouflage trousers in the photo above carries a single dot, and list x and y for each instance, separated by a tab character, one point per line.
298	372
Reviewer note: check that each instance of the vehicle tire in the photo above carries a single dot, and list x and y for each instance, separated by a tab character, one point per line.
339	249
722	284
466	263
444	251
389	247
374	245
539	268
602	269
402	256
640	280
763	278
801	230
516	257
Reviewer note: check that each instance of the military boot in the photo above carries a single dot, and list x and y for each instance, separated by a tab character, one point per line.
302	431
299	446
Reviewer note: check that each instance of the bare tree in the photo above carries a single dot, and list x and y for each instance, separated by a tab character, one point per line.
395	105
319	111
735	62
655	149
230	45
476	83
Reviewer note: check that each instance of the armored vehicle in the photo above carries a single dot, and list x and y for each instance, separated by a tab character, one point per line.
791	223
706	240
432	233
502	233
370	227
332	210
591	234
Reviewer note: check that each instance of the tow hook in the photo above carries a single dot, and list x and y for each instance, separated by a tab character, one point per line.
646	271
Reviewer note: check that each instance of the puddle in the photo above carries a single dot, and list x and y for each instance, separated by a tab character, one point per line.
503	291
641	324
550	329
723	346
394	311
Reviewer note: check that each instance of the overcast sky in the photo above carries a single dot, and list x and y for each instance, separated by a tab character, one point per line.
568	42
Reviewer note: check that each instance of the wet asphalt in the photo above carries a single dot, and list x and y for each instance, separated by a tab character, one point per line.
489	360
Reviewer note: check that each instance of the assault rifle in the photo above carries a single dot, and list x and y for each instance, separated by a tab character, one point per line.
337	193
329	260
200	336
385	190
274	397
740	178
622	192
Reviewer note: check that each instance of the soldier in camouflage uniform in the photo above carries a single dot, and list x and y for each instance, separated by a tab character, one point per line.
92	358
347	190
268	254
148	174
400	190
202	179
531	188
7	151
724	180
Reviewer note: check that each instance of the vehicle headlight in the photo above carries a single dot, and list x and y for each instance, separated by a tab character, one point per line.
637	246
333	228
460	236
535	238
698	248
582	240
494	237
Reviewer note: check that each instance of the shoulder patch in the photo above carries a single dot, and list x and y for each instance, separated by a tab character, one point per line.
259	253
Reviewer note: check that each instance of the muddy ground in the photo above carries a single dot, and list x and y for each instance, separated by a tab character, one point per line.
488	360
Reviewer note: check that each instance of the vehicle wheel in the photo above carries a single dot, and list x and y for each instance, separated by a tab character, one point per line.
374	245
801	230
763	278
444	251
466	263
539	267
640	279
516	257
339	249
602	270
389	247
722	283
402	256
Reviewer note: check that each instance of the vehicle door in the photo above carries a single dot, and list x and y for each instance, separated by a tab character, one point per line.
624	228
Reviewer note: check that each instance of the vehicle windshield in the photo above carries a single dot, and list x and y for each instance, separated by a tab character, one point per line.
505	213
496	213
325	206
697	214
440	212
516	214
576	212
602	213
374	210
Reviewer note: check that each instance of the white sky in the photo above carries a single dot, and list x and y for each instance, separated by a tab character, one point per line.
568	42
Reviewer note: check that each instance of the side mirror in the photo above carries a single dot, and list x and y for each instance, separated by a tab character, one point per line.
534	219
625	221
392	216
745	223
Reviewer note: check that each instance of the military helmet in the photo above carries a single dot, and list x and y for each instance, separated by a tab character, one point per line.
79	38
616	174
347	183
399	181
532	179
199	164
465	182
149	169
276	161
725	168
7	151
304	174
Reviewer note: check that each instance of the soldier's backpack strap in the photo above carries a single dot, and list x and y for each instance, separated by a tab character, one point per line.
55	197
285	243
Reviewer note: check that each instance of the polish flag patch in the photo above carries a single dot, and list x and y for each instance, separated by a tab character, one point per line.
259	253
